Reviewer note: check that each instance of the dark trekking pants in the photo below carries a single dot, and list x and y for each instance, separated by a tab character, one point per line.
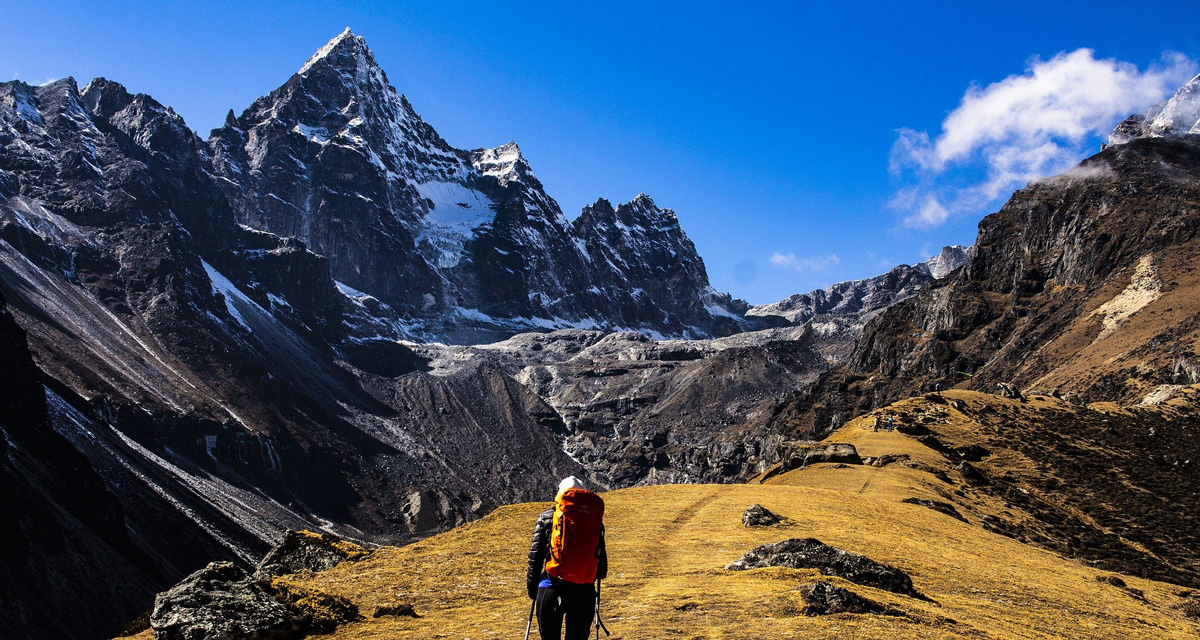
575	602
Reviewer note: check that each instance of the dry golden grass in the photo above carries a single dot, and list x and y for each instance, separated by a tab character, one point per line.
668	546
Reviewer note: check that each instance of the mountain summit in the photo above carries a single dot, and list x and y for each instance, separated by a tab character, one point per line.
456	244
1180	115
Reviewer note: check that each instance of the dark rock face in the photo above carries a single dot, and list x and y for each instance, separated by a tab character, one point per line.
62	528
1028	305
757	515
936	505
797	455
650	272
810	553
637	411
307	551
221	602
823	599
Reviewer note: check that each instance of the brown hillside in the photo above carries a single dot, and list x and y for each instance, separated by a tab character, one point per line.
1086	282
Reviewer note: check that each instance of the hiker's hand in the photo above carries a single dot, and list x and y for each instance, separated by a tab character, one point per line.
532	593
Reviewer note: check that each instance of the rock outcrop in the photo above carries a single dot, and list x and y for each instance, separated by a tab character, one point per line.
936	505
823	599
797	455
221	601
757	515
810	553
307	551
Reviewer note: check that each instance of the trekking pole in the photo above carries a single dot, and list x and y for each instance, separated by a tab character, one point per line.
530	623
599	622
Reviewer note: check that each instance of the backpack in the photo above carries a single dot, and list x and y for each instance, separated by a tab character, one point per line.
575	536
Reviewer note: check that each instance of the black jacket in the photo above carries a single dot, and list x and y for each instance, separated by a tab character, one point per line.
540	548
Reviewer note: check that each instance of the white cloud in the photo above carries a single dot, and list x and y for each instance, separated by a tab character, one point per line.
1024	127
805	265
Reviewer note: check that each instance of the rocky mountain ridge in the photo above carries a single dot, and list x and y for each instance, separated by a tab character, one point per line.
1177	116
867	296
839	313
1082	284
456	245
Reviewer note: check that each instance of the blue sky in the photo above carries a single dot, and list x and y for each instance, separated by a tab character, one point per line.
771	129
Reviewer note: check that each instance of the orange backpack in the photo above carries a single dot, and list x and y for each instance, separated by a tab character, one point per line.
575	537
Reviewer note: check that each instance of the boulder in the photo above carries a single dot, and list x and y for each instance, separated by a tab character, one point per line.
757	515
307	551
800	454
810	553
221	602
823	598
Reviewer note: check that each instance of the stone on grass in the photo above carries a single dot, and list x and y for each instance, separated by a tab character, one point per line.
221	602
757	515
823	599
800	454
810	553
301	551
936	505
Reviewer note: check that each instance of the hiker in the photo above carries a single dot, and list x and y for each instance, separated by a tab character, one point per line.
875	425
566	560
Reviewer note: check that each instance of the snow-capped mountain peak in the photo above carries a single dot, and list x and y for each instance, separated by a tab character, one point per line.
1180	115
504	162
337	157
343	48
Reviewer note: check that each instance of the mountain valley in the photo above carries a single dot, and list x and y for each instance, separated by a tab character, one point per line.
324	317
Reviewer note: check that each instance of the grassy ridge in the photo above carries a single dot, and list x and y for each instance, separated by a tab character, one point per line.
668	546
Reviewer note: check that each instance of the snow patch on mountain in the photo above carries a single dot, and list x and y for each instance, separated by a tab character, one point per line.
232	296
1179	115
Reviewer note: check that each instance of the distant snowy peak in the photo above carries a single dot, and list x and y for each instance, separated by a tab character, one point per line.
1178	116
505	163
345	46
861	298
638	217
950	258
448	237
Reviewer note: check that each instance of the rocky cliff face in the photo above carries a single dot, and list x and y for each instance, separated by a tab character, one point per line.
1081	283
66	559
